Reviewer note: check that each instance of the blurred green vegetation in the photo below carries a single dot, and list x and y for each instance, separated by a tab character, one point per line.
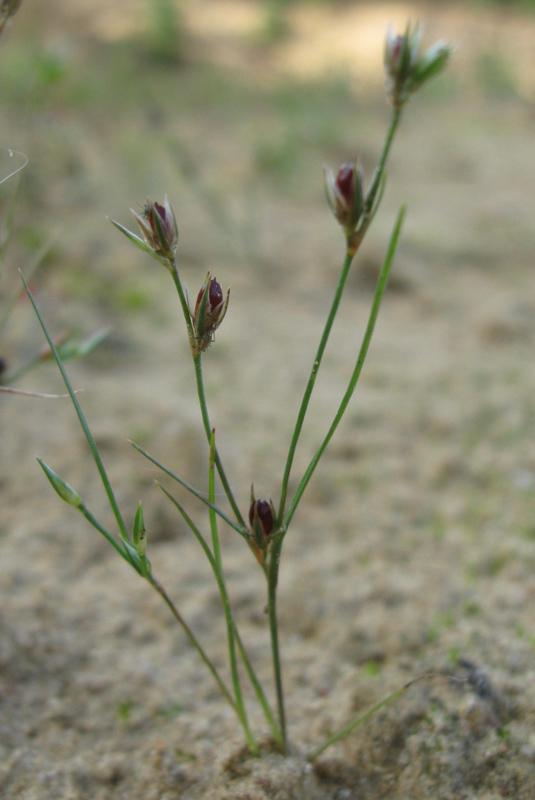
282	5
76	111
107	121
527	5
165	35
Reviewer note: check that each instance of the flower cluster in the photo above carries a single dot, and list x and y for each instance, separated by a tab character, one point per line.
406	70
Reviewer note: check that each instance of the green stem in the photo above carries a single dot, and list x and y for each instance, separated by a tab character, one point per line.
242	531
200	391
379	291
311	381
183	300
83	423
197	360
245	658
363	718
379	171
262	699
87	514
96	524
189	633
240	706
273	577
353	245
11	300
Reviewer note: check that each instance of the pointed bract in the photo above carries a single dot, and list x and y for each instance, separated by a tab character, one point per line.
61	487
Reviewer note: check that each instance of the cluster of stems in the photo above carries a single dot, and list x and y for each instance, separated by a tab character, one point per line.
265	525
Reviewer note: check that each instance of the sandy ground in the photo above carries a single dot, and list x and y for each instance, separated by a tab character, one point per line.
413	552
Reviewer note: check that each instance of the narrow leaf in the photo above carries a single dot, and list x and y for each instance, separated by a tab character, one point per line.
83	422
61	487
140	243
193	491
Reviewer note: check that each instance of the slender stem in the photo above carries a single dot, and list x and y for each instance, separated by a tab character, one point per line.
353	245
312	380
273	576
10	216
197	361
189	633
242	531
157	586
245	658
11	300
240	706
182	298
378	174
88	435
379	291
96	524
262	699
364	717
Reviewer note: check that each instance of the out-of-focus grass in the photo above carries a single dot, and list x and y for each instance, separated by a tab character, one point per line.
106	123
121	98
102	121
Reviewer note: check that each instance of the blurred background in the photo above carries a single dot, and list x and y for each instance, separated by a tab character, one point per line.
231	107
417	531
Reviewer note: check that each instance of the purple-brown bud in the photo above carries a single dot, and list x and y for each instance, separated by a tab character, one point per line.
159	228
208	314
261	513
344	195
215	296
262	521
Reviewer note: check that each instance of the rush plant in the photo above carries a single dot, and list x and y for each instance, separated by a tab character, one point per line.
264	525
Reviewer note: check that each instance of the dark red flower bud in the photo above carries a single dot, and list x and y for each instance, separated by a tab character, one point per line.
345	181
3	365
158	226
261	511
262	521
208	314
215	296
345	195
